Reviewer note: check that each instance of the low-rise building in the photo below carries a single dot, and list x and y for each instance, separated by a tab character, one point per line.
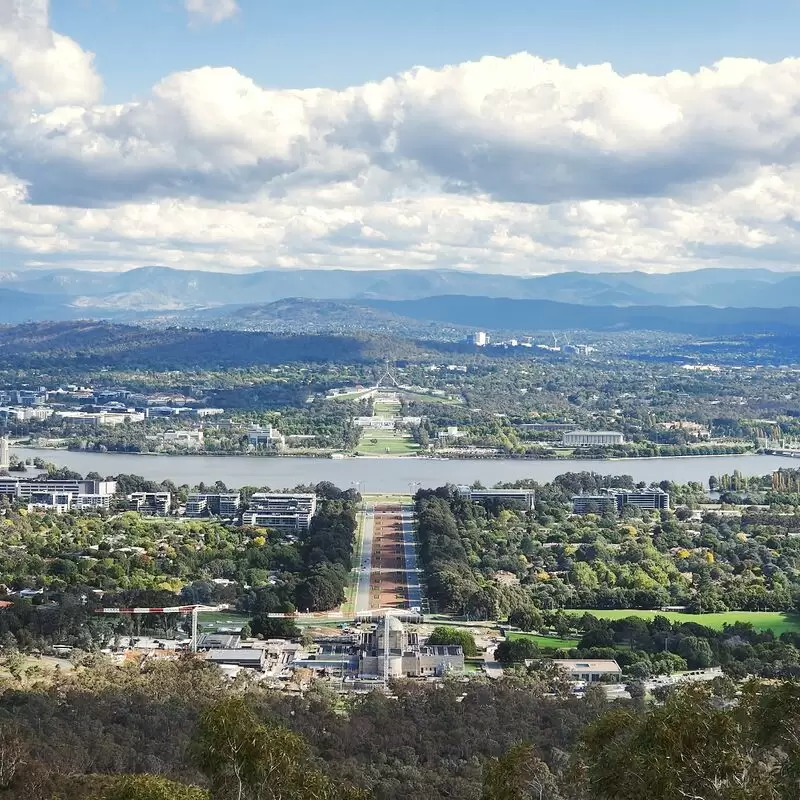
223	504
288	512
219	641
191	440
25	413
535	427
593	671
209	412
650	499
154	504
392	651
111	418
58	502
59	495
593	438
524	496
267	437
242	657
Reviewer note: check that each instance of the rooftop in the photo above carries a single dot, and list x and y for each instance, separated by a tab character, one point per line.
599	665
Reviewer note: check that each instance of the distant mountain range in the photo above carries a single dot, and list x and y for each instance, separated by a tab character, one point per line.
502	313
67	294
417	303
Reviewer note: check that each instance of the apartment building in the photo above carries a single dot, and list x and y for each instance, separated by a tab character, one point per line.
152	504
222	504
5	453
287	512
651	499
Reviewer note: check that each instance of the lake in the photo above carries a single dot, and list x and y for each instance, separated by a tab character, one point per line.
393	474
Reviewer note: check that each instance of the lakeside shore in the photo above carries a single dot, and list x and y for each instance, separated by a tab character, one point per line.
385	457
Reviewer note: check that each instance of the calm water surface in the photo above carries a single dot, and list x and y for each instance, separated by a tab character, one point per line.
393	474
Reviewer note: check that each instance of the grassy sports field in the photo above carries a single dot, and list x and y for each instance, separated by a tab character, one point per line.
776	621
544	642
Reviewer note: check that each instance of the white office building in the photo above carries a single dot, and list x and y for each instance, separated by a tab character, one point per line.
5	456
593	438
60	495
266	436
191	440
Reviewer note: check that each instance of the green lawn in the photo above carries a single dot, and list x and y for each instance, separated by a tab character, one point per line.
433	398
386	441
776	621
380	408
221	619
545	642
387	497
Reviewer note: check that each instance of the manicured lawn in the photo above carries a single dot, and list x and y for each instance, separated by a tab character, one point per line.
544	642
386	441
433	398
391	497
776	621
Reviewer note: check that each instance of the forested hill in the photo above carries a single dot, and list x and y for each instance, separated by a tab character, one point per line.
88	344
502	313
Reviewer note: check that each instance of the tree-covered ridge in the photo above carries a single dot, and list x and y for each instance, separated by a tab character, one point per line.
484	560
179	731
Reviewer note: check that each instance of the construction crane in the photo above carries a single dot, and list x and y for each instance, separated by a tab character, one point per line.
193	610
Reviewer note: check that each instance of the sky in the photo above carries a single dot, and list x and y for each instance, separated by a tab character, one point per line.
514	137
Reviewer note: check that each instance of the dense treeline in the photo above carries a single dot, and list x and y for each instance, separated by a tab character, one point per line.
179	731
89	345
484	560
644	648
75	562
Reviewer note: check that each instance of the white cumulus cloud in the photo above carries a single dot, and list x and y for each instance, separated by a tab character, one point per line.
48	69
212	11
513	164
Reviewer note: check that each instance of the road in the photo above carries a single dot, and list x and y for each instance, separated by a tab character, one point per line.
364	565
413	588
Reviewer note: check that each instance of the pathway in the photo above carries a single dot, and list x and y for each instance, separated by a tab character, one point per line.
412	571
364	566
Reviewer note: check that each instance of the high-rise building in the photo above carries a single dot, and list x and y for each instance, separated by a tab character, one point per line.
480	339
